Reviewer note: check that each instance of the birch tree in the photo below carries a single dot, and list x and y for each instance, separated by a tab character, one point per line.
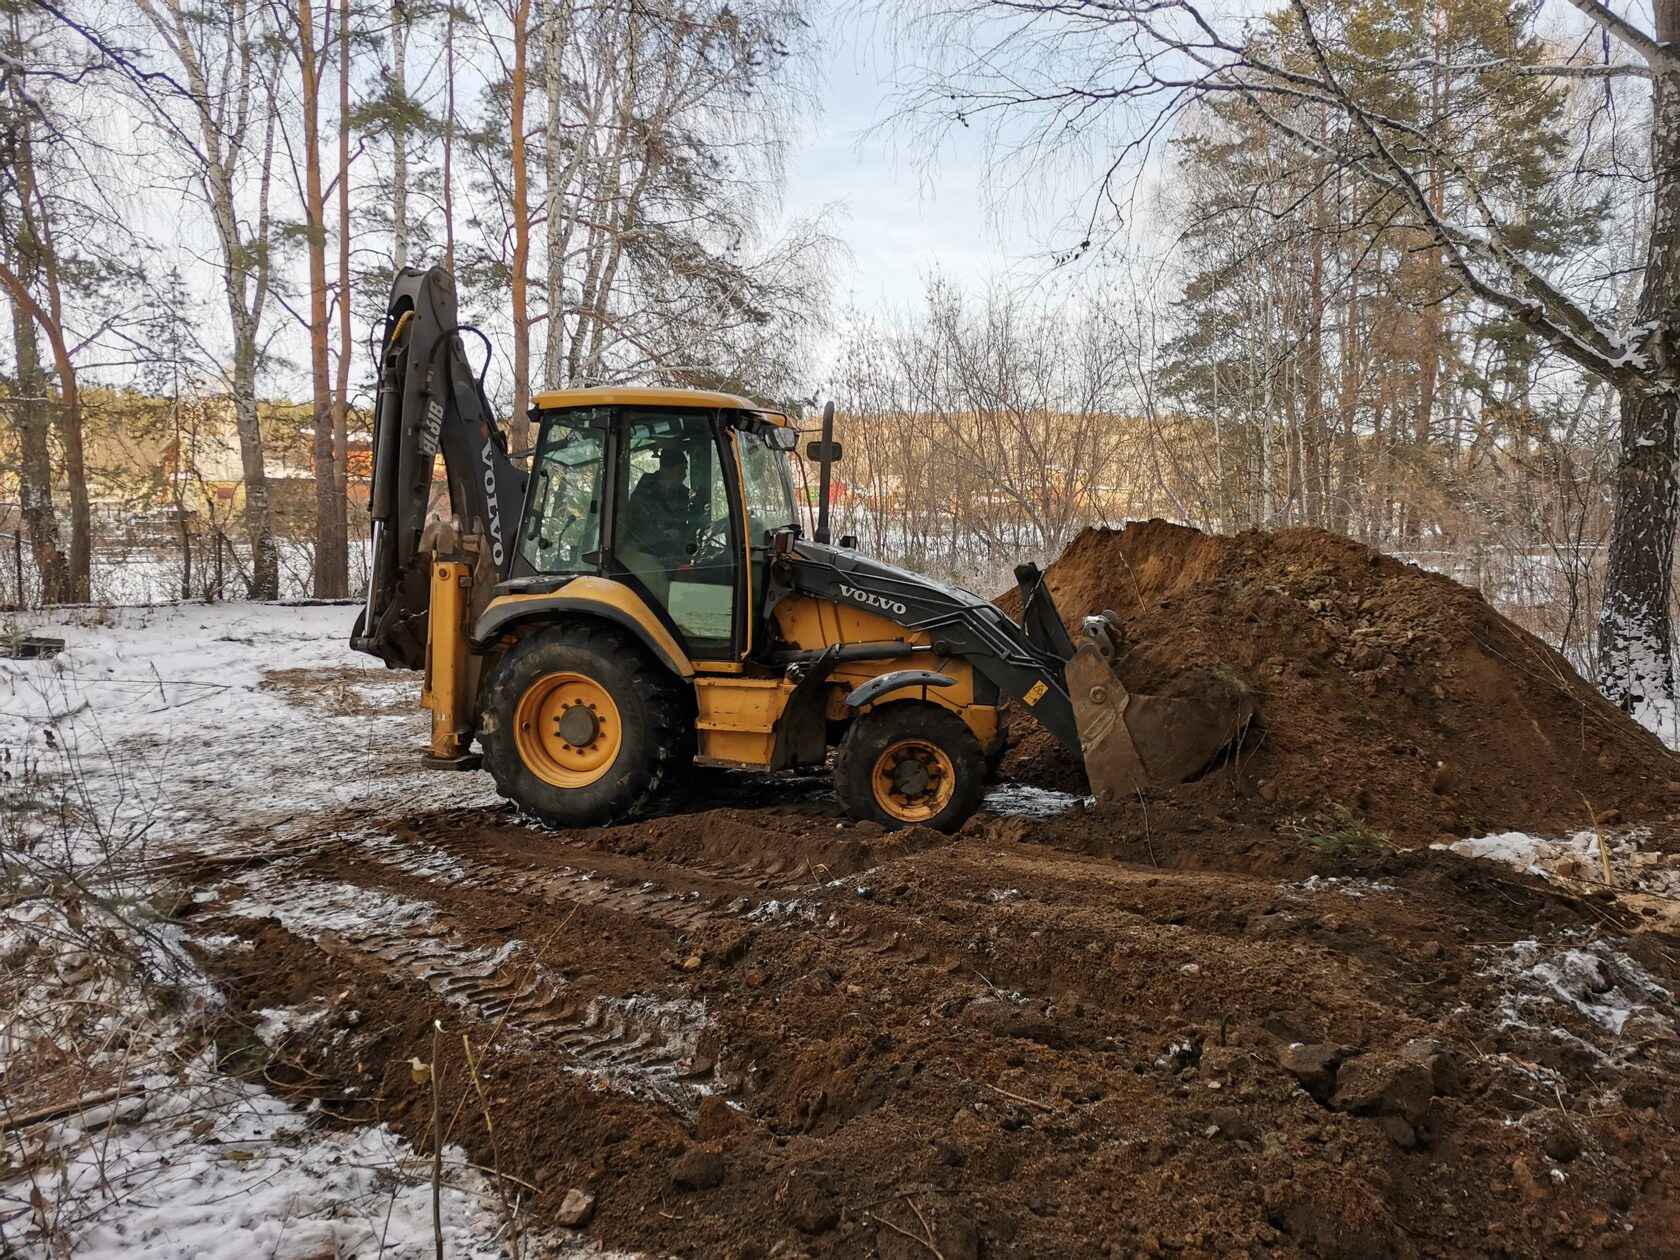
227	62
663	145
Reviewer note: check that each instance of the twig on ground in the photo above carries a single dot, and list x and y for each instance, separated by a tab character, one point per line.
495	1145
1598	834
1020	1098
437	1145
926	1241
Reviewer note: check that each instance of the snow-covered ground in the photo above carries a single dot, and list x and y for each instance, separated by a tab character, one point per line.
201	716
148	1149
157	728
202	726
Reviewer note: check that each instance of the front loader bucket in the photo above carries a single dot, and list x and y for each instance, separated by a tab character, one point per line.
1134	742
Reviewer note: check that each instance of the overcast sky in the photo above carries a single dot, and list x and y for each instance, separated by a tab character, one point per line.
902	213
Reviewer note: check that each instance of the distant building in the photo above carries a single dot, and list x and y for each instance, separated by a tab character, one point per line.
154	464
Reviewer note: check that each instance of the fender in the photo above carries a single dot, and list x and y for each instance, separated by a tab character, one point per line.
881	684
587	596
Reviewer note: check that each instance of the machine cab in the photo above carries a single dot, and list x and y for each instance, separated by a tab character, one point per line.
673	493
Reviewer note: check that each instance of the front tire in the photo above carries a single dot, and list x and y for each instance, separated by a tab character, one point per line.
910	764
579	726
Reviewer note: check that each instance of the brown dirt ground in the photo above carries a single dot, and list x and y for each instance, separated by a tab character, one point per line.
1169	1027
1384	693
1030	1039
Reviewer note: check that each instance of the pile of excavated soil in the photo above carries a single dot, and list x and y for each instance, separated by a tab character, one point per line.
1384	693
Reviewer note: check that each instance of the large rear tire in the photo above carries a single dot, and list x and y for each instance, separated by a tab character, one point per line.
579	726
910	764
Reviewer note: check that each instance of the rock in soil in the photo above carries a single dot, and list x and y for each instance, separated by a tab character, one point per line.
1313	1066
699	1168
811	1203
1384	1084
575	1209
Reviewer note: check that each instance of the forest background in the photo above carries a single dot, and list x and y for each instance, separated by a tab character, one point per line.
1404	271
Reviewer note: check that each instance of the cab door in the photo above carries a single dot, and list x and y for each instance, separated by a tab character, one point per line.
767	507
561	529
676	527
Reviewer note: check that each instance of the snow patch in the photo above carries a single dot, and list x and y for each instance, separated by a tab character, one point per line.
1347	886
220	1168
805	908
1577	857
1594	980
1022	800
275	1024
168	1158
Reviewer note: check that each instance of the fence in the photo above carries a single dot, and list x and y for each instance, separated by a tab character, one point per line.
133	568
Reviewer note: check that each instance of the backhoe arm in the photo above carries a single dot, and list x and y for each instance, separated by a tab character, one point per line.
430	403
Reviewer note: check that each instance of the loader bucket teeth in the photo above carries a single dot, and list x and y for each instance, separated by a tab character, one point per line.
1134	742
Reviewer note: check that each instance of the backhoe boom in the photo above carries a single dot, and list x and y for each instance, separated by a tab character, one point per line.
430	403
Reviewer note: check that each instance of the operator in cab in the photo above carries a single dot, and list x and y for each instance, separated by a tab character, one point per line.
660	524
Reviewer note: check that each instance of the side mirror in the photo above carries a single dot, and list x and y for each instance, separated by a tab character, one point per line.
817	452
782	437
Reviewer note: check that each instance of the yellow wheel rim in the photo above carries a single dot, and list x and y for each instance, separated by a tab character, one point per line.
567	729
913	780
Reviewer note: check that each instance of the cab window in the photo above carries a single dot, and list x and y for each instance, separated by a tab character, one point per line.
674	531
561	532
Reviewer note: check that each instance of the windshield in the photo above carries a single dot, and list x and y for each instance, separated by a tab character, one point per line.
769	488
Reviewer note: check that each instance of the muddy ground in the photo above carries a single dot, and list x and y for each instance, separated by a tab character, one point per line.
1256	1014
765	1030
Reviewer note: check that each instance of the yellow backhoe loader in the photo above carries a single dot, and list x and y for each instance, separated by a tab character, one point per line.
645	597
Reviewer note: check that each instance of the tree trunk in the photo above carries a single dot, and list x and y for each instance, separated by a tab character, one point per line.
1636	663
176	471
341	394
37	262
519	425
554	35
222	123
449	140
331	568
69	433
399	134
259	520
35	479
75	473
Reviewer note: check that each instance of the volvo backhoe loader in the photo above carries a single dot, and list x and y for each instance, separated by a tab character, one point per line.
645	597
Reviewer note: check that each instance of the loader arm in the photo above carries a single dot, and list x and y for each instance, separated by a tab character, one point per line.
1128	743
958	622
429	404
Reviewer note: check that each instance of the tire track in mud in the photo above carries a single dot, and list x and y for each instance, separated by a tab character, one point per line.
646	1044
1056	947
417	909
413	908
1011	946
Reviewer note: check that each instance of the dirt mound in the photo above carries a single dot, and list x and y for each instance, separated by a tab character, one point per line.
1388	697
